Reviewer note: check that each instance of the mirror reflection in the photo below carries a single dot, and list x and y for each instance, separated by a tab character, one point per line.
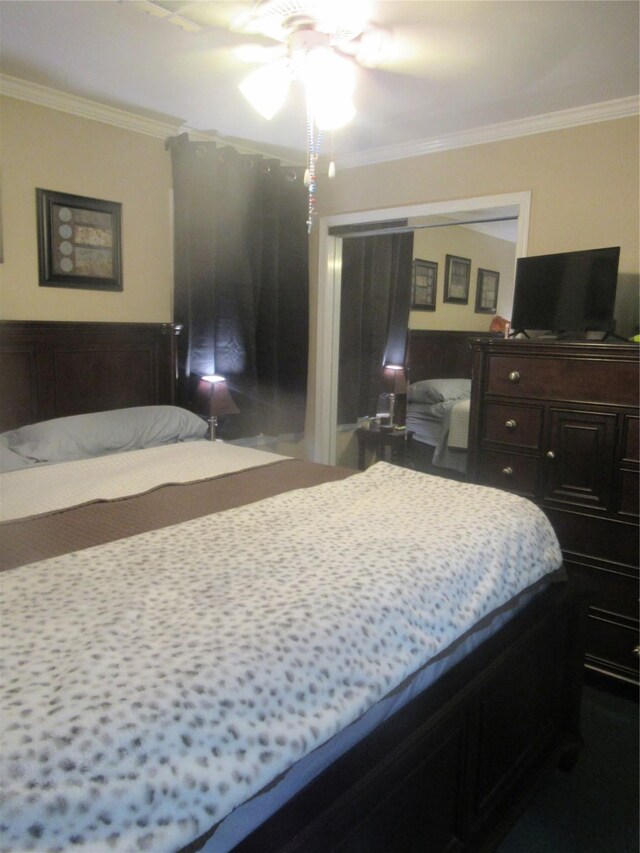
412	298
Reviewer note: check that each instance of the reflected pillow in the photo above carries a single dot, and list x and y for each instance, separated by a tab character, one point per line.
100	433
439	390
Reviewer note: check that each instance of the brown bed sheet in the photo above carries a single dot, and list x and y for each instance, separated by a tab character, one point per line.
62	531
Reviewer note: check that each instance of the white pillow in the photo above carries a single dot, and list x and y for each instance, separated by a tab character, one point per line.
10	461
100	433
439	390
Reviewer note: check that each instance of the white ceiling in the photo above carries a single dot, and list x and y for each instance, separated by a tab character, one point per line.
454	66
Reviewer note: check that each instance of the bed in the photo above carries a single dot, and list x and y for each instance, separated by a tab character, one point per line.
438	397
438	415
143	744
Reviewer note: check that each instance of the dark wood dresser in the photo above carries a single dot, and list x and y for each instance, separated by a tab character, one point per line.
558	422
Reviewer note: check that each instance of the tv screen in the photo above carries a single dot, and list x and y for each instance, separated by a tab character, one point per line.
566	292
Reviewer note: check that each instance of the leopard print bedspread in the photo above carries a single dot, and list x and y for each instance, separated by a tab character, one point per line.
152	684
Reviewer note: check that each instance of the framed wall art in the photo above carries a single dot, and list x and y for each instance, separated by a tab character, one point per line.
424	286
456	279
79	241
487	291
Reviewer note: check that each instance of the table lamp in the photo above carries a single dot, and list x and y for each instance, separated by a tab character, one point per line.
220	402
395	382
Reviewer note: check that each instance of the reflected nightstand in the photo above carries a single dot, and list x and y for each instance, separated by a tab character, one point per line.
387	444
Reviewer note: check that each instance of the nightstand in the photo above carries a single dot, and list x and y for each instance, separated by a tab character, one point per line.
391	443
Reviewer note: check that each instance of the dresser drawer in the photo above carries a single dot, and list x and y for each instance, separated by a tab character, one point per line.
511	471
514	425
610	647
579	380
606	589
584	537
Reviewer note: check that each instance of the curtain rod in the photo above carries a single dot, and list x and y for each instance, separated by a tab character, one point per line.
226	143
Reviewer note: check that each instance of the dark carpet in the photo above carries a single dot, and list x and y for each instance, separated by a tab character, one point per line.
593	808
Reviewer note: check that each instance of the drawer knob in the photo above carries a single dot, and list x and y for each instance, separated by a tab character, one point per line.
514	376
510	424
508	471
550	454
636	651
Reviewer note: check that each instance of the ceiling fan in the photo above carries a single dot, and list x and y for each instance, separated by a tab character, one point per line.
318	44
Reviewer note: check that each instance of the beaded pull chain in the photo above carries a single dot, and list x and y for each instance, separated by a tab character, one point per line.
313	150
313	153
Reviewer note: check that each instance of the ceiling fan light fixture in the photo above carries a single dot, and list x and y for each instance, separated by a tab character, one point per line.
374	45
325	40
335	114
329	81
267	87
257	53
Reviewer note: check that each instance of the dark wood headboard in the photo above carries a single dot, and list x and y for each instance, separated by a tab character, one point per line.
51	369
436	354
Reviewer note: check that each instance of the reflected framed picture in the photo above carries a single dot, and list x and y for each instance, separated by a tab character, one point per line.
79	241
457	272
424	286
487	291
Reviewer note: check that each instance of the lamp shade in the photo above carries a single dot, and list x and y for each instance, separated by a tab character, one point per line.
395	378
267	87
220	400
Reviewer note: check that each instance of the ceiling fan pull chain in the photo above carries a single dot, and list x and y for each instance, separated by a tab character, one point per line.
313	148
331	172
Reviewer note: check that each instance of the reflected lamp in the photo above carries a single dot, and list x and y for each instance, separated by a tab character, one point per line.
395	384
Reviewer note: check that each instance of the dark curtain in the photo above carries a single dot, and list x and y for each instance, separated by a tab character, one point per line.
374	318
241	283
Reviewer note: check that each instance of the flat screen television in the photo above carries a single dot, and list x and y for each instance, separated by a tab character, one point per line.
566	293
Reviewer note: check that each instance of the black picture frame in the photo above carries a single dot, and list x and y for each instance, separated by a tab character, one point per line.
487	291
79	241
457	273
424	286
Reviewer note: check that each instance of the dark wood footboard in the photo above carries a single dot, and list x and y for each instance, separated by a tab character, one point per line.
453	769
53	369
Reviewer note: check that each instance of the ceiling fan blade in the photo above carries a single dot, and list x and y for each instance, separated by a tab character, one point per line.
433	52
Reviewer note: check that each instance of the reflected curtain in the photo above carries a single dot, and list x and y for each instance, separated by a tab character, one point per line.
374	317
241	283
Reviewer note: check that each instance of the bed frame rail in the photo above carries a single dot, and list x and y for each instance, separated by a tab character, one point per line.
454	768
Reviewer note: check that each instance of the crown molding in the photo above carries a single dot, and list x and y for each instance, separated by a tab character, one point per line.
561	120
45	96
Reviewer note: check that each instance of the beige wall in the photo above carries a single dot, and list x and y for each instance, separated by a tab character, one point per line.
584	186
484	252
50	149
583	181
